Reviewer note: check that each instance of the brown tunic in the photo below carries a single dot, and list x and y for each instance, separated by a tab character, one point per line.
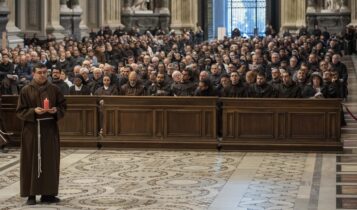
32	96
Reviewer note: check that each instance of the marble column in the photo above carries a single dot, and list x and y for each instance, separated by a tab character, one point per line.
311	6
4	12
293	15
71	18
83	24
184	14
12	30
77	13
353	13
53	19
110	13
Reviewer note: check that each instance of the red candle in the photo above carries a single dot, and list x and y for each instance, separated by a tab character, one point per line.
46	104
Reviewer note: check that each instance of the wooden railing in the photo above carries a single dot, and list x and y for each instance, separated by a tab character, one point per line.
191	122
281	124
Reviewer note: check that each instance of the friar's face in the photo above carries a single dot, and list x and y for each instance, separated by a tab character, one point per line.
40	75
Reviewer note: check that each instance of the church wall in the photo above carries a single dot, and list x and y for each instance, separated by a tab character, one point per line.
43	16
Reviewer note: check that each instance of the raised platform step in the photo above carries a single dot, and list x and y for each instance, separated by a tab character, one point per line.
346	159
348	178
346	203
348	144
349	130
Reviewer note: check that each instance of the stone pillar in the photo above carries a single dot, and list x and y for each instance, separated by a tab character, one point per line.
184	14
353	13
12	30
127	6
4	12
110	11
311	6
53	19
83	24
293	15
71	18
77	13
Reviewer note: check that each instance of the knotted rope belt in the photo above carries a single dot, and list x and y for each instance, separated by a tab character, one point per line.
39	158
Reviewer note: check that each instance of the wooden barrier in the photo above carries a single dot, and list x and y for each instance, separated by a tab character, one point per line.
281	124
160	121
190	122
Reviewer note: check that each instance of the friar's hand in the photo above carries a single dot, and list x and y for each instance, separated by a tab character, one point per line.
53	110
40	111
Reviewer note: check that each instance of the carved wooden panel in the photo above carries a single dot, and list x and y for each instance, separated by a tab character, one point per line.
255	124
75	128
182	123
281	124
135	123
306	125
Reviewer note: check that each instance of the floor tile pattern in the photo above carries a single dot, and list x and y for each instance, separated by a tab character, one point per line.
276	183
142	180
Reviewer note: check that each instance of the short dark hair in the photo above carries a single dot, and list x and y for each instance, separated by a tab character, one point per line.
261	74
59	69
38	66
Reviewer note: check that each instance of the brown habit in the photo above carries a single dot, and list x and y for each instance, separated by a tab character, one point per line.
32	96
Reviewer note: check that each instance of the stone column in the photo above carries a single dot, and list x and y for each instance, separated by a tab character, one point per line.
77	13
293	15
110	11
53	19
353	13
71	18
184	14
83	24
311	6
4	12
12	30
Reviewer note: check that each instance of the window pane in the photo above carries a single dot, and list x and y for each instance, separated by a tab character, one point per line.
246	15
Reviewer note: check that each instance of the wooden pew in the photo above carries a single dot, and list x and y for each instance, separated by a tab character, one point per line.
281	124
178	122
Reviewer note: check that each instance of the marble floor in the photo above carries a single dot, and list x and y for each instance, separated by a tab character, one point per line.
182	180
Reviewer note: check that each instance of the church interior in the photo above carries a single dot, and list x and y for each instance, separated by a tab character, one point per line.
182	104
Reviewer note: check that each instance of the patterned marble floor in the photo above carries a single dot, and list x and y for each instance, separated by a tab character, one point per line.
182	180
